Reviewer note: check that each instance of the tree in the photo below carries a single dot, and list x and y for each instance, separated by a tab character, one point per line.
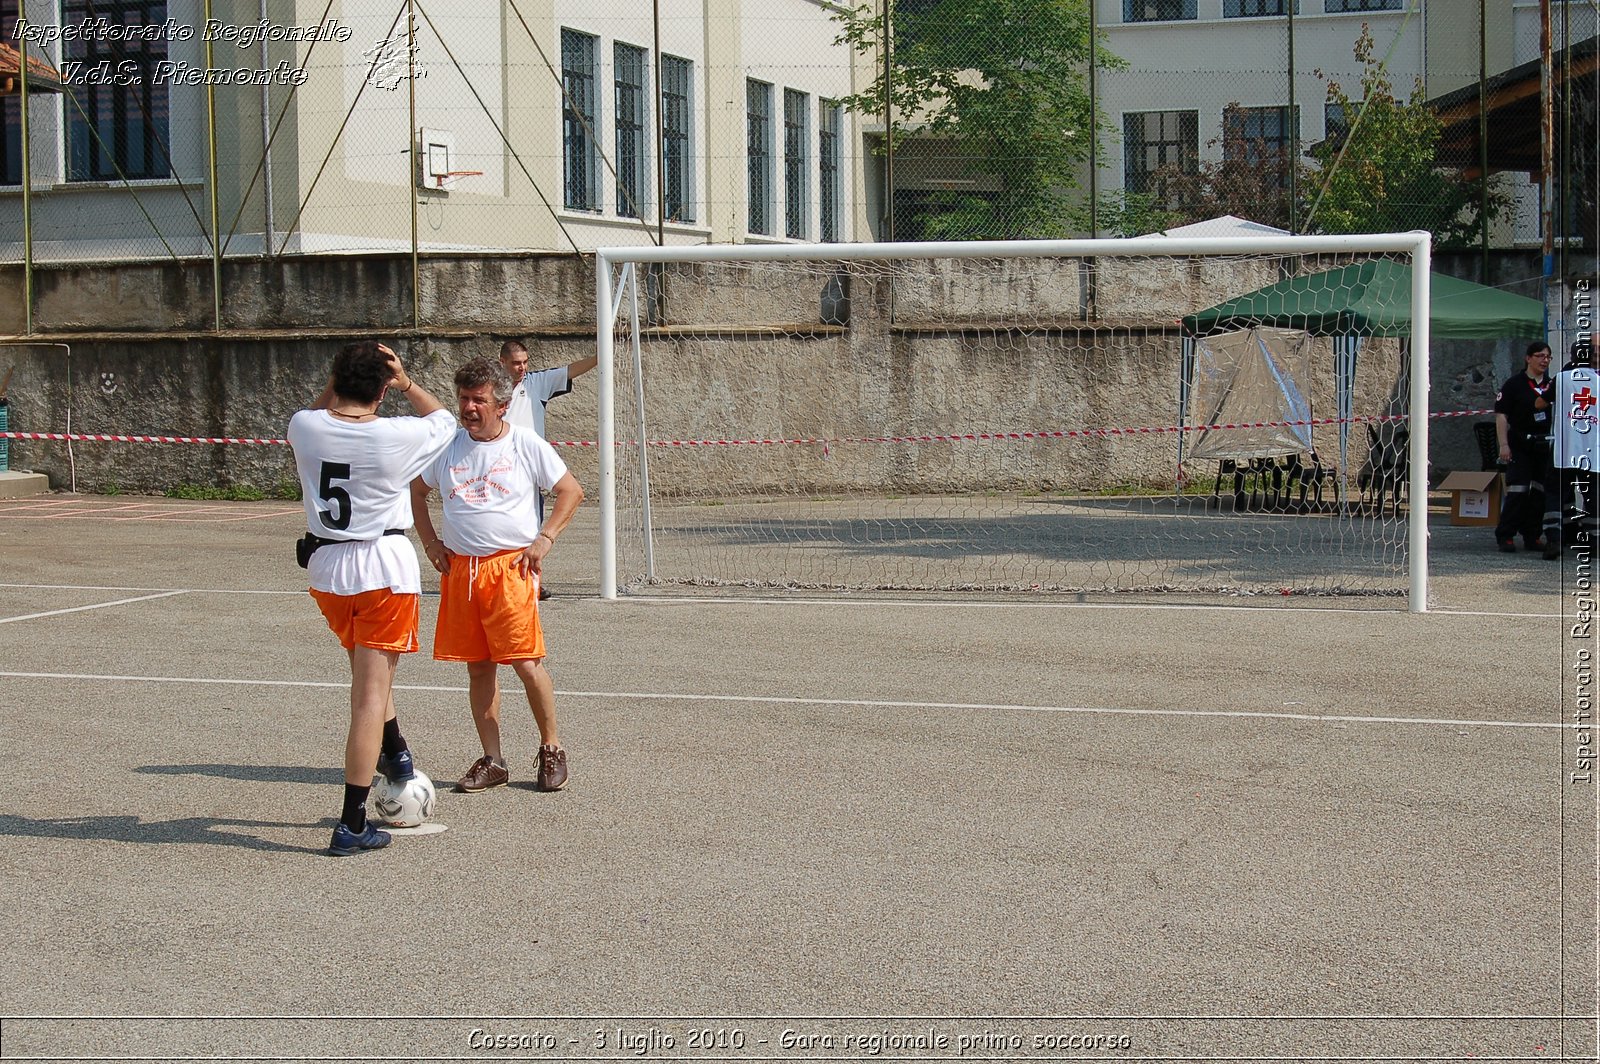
1007	81
1381	176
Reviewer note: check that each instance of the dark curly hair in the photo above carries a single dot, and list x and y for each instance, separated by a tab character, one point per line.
360	370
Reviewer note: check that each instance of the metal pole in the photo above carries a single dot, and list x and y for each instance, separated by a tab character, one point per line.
605	430
888	124
1483	141
1546	149
1421	325
1094	121
27	192
216	219
412	160
267	224
1292	162
1566	147
661	135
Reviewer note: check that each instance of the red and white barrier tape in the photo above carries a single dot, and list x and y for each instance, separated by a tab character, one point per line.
976	437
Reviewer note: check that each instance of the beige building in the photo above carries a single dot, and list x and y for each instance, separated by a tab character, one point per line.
516	124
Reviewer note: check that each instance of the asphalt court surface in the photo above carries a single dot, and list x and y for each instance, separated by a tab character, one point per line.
840	829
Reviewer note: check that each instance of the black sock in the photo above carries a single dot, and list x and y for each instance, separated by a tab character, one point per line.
393	741
354	816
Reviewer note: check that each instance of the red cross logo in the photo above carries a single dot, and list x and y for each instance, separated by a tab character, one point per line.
1582	400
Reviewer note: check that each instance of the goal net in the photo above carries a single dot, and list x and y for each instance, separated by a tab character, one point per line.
1226	417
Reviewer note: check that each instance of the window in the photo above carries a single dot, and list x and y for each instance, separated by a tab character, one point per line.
1158	10
1259	134
115	131
677	166
1334	6
11	113
796	145
1152	140
758	130
1336	122
1254	8
578	126
633	153
828	121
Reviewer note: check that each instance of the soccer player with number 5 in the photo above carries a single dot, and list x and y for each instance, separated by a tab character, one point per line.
355	476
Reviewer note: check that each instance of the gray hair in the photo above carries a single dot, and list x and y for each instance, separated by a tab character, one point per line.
481	371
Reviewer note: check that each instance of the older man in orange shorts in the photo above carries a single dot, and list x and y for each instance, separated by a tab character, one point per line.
490	556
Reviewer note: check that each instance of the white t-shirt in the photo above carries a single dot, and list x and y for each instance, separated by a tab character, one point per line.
490	490
532	393
355	477
1576	425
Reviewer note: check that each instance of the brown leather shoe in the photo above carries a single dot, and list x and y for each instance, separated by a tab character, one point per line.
483	775
552	768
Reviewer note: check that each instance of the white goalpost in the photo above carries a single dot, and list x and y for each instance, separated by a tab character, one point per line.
1199	416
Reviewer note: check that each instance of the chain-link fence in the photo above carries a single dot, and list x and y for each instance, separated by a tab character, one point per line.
150	130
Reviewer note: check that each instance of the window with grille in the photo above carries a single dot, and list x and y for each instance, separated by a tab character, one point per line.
677	147
633	151
796	142
1254	8
580	157
1337	6
1260	136
829	118
758	129
1152	140
1157	10
117	115
11	114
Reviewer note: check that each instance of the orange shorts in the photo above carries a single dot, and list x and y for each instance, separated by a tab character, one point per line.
488	611
378	619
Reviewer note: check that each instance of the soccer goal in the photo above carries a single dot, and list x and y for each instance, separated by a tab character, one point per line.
1223	416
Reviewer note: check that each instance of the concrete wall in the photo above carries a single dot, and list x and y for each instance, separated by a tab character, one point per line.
729	356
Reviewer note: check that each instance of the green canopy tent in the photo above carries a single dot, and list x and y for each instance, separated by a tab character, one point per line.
1351	303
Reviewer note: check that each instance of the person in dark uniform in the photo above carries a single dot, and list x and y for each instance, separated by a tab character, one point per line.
1522	425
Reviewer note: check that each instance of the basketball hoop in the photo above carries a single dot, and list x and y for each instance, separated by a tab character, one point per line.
451	176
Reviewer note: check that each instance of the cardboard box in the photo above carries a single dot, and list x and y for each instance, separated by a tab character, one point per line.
1474	497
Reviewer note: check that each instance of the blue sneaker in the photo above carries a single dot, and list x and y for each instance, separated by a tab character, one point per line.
347	843
399	768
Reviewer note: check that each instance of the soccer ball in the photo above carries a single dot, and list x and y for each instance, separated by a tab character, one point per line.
404	805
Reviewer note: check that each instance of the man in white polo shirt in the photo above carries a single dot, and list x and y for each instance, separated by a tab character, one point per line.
490	554
532	392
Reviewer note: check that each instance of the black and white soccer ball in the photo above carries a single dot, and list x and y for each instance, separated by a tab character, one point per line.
404	805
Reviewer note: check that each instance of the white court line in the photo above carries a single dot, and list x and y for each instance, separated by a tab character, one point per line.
175	591
942	604
848	703
1396	611
95	606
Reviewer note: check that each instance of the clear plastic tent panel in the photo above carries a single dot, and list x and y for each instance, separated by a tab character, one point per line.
1246	398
